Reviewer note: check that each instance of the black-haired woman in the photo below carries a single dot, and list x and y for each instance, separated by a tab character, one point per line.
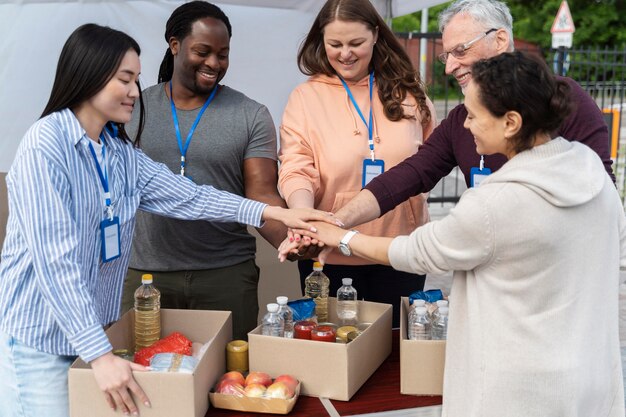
536	251
74	188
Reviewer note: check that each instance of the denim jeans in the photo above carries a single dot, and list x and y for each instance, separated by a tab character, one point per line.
32	383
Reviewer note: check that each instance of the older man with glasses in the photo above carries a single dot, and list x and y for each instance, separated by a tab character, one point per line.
471	30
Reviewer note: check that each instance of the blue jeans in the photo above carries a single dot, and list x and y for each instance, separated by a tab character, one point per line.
32	383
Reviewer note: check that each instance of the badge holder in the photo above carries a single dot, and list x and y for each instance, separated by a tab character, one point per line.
110	233
479	174
372	169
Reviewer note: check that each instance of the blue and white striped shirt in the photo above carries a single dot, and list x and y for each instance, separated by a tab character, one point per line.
55	292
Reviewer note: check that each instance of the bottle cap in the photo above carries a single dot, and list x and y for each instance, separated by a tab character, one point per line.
346	281
282	300
419	303
146	279
272	307
442	303
317	266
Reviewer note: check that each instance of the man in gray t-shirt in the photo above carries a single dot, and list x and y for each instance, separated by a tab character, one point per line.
197	264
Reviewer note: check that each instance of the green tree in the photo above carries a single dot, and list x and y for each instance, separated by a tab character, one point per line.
598	22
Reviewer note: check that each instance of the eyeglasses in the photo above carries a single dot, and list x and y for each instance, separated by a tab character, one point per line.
460	50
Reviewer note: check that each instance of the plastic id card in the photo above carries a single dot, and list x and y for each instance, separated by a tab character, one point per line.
372	169
110	232
477	176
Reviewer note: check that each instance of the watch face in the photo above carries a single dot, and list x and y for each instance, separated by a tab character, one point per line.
345	249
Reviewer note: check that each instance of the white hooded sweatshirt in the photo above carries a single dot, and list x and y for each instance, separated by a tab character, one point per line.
533	325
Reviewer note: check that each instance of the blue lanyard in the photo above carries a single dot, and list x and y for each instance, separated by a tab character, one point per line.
369	125
183	149
104	178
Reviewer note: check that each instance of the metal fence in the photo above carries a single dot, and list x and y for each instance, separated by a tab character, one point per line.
600	71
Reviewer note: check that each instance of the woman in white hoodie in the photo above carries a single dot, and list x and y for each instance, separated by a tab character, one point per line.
536	250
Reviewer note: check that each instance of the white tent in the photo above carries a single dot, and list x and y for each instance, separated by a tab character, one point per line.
266	36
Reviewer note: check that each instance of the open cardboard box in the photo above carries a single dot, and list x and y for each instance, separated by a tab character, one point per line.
421	361
171	394
331	370
255	405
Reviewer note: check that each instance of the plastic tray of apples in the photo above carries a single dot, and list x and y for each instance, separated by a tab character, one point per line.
257	392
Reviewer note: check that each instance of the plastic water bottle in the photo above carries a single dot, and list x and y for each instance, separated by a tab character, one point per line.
419	324
439	329
316	286
273	323
287	314
147	313
435	313
347	304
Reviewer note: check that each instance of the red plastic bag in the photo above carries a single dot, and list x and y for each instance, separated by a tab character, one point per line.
174	343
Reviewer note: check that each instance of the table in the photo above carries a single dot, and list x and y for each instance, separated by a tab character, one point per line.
380	393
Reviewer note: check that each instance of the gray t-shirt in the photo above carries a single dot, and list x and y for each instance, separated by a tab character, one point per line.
232	129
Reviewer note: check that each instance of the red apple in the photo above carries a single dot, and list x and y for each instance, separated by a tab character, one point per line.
230	387
258	378
288	380
255	390
234	376
279	390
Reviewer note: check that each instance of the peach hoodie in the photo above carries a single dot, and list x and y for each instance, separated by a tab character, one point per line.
323	143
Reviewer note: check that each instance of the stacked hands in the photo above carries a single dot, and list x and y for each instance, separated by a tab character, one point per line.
316	241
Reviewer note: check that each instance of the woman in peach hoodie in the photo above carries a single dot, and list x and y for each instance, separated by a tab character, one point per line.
363	110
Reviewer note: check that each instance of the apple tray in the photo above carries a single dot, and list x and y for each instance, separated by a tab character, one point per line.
254	404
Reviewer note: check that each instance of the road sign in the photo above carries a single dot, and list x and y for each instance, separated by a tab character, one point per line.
562	39
563	22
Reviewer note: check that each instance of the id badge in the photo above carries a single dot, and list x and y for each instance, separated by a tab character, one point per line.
110	232
477	176
372	169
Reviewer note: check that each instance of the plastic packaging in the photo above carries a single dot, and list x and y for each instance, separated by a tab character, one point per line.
316	286
430	296
147	313
285	312
174	343
419	324
347	304
439	330
273	323
302	309
173	362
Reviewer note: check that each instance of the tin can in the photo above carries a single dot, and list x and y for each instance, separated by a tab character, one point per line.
237	356
343	331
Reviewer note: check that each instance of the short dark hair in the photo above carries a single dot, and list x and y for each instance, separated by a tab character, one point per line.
179	26
395	74
521	82
89	59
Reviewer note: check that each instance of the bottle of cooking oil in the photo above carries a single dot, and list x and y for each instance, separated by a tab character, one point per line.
316	286
147	313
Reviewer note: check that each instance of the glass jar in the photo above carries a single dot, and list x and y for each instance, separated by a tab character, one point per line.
324	334
302	329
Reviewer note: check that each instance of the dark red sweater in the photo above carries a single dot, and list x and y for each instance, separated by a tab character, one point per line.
451	144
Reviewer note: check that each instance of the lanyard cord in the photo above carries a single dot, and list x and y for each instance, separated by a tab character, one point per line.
183	148
369	125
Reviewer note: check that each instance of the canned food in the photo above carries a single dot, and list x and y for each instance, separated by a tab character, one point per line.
343	331
302	329
237	356
353	335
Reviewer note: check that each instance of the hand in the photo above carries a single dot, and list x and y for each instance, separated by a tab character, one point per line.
297	248
323	231
114	376
298	217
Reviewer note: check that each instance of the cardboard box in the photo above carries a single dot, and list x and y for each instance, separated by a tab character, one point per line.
331	370
255	405
171	394
421	361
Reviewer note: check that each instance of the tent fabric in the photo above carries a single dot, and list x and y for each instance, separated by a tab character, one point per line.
266	36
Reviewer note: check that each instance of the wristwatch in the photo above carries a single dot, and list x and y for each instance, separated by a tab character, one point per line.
343	245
